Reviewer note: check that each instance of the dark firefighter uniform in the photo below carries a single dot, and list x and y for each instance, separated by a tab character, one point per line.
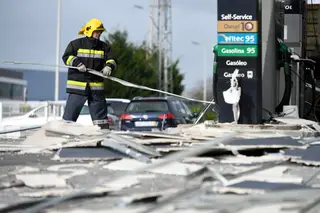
88	53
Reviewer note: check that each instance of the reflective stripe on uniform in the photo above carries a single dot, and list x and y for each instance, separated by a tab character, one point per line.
82	85
96	88
87	53
76	85
96	85
111	61
70	60
96	122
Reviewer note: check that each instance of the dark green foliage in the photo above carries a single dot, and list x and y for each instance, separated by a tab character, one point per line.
134	66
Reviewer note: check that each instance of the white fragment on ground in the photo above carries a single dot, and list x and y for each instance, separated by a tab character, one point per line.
63	130
242	159
175	168
42	180
82	143
288	207
72	170
146	176
122	183
187	211
72	128
237	190
27	169
273	175
40	140
199	160
111	210
47	193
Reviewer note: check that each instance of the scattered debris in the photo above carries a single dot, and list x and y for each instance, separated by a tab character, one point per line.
174	168
146	197
88	153
41	180
122	183
239	165
242	159
257	187
273	175
47	193
134	145
309	156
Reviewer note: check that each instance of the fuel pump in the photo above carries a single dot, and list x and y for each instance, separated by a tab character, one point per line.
284	61
215	72
306	79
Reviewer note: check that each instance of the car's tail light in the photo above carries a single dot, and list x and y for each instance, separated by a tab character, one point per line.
110	121
166	116
126	117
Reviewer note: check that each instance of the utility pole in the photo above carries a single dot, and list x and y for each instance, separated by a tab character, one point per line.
204	68
159	44
56	94
161	29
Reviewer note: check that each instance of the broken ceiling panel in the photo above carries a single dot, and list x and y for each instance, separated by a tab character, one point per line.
258	187
121	183
272	142
47	193
41	180
119	147
130	143
88	153
243	144
146	197
309	156
280	207
242	159
60	132
174	168
276	174
151	134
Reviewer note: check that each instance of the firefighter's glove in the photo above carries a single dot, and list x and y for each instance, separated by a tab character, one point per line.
82	68
106	71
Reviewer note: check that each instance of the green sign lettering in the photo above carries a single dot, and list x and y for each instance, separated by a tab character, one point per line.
238	50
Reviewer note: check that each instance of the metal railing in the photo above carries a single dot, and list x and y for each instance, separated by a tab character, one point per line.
35	108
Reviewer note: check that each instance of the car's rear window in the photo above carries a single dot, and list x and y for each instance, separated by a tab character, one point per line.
118	107
147	106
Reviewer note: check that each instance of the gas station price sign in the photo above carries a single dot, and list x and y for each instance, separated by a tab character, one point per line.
237	26
238	49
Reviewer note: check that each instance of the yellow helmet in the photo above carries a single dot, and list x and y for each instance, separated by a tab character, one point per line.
92	25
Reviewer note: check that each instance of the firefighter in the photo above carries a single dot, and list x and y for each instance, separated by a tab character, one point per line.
88	52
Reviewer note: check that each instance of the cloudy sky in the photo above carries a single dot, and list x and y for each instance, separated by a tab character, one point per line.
29	29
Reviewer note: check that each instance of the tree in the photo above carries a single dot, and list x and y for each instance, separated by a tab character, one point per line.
197	92
135	67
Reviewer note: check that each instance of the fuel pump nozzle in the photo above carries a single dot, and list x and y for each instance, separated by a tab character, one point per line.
285	62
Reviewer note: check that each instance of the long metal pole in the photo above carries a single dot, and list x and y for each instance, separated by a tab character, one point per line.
204	75
56	94
159	47
166	48
150	27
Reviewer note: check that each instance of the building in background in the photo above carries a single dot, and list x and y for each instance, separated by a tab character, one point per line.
40	84
313	31
12	85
